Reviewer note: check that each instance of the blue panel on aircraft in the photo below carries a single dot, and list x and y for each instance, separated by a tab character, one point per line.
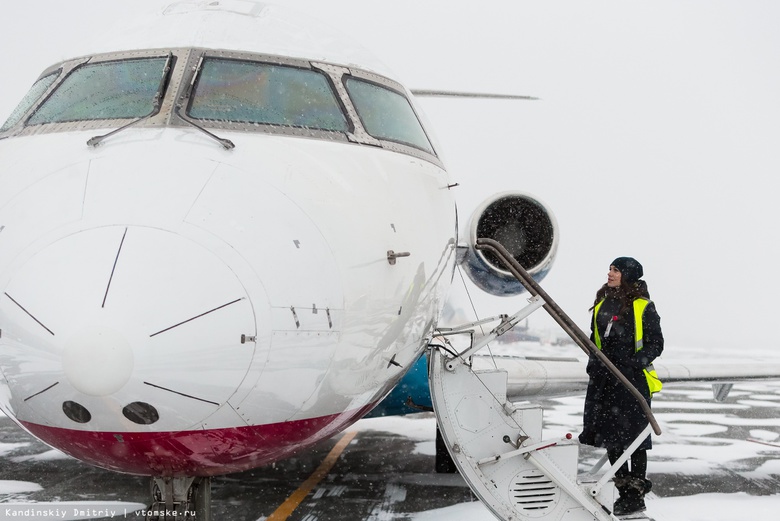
413	385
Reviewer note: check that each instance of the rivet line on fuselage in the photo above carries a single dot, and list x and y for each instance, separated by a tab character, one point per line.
41	392
195	317
116	259
30	314
180	394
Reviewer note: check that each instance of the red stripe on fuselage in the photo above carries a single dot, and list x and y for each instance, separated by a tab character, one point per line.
194	453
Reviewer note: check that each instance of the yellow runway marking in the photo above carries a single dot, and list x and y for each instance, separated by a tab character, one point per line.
292	502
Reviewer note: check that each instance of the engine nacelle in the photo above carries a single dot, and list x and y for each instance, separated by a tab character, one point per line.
525	227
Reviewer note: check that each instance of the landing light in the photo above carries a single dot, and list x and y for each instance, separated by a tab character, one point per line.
76	412
141	413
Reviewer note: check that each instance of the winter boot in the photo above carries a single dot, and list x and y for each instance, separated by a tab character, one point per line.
639	483
622	486
629	503
632	495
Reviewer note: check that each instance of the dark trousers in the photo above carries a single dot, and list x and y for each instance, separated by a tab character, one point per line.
638	463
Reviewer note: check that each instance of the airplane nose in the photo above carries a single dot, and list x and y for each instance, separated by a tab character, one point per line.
110	314
98	346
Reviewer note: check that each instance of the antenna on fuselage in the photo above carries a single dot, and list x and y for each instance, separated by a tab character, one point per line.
427	93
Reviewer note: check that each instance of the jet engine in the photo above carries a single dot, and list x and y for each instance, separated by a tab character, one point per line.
525	227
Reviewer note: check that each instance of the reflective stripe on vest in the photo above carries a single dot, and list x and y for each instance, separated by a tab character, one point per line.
654	384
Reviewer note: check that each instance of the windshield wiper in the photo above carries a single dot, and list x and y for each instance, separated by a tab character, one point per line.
158	97
226	143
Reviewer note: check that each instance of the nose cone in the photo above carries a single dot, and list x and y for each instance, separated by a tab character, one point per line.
109	316
98	346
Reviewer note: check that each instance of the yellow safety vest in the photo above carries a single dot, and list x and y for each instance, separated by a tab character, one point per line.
653	382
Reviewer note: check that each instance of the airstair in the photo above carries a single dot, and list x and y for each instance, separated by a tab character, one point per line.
497	445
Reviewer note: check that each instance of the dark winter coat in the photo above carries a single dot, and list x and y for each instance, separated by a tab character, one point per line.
613	418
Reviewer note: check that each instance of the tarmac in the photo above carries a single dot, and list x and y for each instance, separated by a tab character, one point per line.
384	468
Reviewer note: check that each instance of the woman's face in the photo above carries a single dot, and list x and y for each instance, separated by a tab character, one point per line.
613	277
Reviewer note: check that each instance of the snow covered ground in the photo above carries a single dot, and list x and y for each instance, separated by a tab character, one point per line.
703	468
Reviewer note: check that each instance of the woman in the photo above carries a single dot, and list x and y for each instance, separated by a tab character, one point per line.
613	418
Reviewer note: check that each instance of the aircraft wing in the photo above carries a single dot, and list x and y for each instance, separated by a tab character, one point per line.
550	377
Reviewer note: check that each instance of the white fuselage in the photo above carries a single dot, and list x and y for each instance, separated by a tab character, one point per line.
171	307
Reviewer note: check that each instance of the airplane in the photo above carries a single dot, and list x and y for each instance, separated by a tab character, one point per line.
228	234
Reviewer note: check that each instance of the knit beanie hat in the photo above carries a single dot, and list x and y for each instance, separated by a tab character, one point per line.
629	268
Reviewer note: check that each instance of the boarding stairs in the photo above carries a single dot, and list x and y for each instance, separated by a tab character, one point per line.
497	445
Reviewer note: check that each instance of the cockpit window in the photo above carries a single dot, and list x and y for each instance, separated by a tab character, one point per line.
387	114
261	93
108	90
35	92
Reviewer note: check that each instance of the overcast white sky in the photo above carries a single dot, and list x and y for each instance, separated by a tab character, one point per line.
656	137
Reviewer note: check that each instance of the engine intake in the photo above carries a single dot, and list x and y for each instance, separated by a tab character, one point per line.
525	227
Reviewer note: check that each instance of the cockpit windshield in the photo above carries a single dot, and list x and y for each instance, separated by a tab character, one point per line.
240	91
108	90
225	90
35	92
386	114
